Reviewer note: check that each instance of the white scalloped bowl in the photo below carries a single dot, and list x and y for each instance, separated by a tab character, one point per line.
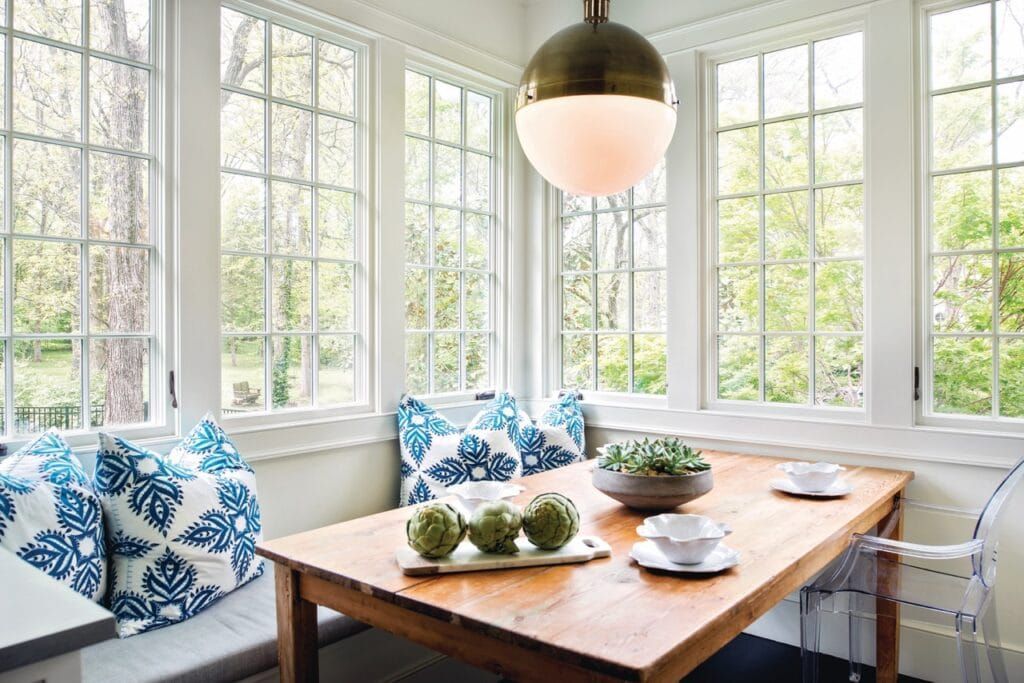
684	539
811	476
473	494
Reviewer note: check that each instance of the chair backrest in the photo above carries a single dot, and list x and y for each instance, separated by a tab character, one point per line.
241	387
985	529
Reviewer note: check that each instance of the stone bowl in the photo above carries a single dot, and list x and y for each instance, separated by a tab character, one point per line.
642	492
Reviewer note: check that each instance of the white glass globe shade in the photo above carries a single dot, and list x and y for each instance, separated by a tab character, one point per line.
595	145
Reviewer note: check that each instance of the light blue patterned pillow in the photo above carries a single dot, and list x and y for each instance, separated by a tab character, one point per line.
182	529
556	440
50	516
436	455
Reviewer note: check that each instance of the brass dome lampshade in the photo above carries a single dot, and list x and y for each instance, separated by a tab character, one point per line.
596	107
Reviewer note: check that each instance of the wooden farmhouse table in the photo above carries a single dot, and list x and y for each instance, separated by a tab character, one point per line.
607	619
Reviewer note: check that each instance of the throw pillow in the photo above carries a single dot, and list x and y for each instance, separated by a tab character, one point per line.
556	440
50	515
181	530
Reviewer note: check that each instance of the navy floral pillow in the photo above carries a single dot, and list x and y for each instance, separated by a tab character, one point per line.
182	529
556	440
50	515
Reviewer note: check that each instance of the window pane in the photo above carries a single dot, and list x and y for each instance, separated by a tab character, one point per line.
336	83
577	361
649	363
447	175
649	298
290	372
962	211
577	242
839	229
119	382
47	187
477	361
447	112
118	106
335	224
1011	292
291	149
738	230
649	239
416	299
47	90
738	161
838	71
336	151
613	362
1009	38
613	240
478	241
785	154
785	226
291	64
1011	370
118	198
241	132
242	375
839	296
785	82
416	363
1011	207
446	363
962	298
478	182
612	201
839	371
737	91
477	299
447	236
47	384
787	297
417	103
961	46
786	363
336	297
478	120
962	129
1010	125
242	298
417	169
839	146
577	302
417	233
242	53
291	209
242	212
572	203
47	287
738	288
446	299
962	380
336	371
738	363
651	190
292	296
56	19
118	289
613	301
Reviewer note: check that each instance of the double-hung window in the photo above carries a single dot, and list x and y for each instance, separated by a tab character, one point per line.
80	238
613	290
449	235
974	272
292	230
788	219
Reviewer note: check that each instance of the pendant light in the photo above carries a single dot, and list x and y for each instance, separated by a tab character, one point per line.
596	106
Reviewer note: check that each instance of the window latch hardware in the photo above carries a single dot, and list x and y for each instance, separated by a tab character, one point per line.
485	395
917	383
174	393
575	392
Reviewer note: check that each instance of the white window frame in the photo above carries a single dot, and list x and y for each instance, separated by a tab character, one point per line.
924	411
501	140
161	156
366	226
842	23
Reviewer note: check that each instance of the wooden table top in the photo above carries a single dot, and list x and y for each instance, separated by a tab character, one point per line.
611	616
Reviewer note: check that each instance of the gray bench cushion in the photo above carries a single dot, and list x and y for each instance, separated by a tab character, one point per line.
233	639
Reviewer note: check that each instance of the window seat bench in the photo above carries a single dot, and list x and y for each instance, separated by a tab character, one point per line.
232	640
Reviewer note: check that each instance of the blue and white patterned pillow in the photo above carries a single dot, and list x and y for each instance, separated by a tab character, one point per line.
556	440
181	530
51	517
436	454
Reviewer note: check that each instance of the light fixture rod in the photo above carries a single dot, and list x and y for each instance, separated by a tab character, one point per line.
595	11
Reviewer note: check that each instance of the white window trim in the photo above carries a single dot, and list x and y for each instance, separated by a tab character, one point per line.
924	412
500	254
314	23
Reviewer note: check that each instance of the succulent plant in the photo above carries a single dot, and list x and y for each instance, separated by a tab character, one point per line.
550	521
660	457
494	526
435	530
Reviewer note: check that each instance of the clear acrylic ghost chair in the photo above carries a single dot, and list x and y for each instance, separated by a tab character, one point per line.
875	568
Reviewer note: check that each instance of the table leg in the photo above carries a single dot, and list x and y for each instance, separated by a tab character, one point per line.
297	649
887	625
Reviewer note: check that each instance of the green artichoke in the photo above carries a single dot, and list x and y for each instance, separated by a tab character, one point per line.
494	526
435	530
550	521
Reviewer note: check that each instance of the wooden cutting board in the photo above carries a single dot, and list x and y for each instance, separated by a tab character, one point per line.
467	558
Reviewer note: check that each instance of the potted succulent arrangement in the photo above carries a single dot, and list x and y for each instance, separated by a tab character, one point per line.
658	474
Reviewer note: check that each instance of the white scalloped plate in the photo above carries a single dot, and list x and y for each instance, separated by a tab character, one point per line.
721	558
836	490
